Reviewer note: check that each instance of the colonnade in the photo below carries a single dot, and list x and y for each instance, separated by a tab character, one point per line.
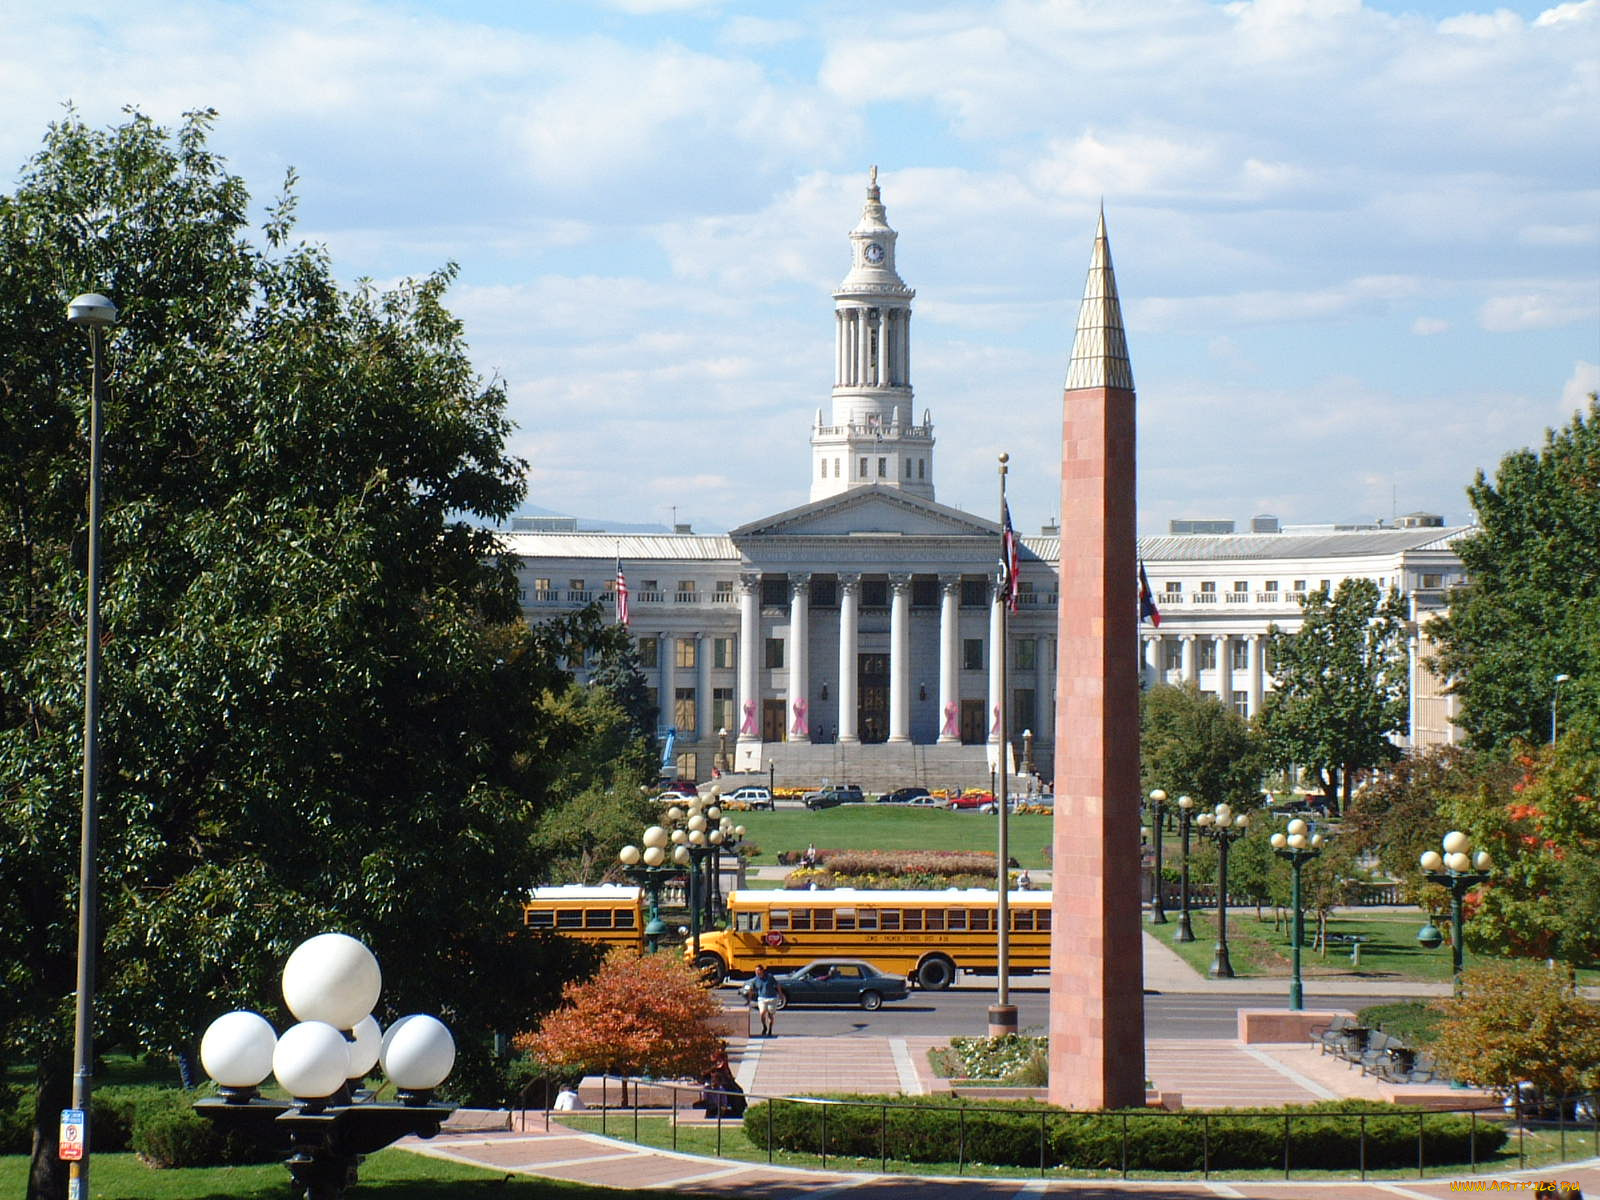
859	331
1153	648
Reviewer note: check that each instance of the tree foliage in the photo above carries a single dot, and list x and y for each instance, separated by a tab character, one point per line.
1531	608
1195	745
320	705
1520	1023
641	1014
1339	685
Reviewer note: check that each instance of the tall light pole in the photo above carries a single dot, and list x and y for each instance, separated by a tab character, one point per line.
1298	847
96	314
1158	813
1459	870
1002	1014
1222	826
1184	932
1555	697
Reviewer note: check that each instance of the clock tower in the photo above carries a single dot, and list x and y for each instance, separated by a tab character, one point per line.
871	436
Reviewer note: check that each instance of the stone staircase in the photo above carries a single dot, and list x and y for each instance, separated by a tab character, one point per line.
876	768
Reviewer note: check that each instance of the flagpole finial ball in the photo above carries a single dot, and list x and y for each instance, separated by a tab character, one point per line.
1004	458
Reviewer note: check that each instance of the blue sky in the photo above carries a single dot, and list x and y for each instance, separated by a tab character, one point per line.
1357	244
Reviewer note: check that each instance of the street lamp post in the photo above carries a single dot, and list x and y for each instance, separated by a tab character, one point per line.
1298	847
1458	870
1027	757
330	984
1158	813
647	867
1555	697
1184	932
96	314
1223	827
722	748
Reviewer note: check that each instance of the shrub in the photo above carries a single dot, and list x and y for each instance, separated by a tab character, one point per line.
111	1118
1414	1022
1008	1132
1517	1022
167	1132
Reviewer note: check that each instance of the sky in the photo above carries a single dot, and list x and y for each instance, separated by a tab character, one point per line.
1357	244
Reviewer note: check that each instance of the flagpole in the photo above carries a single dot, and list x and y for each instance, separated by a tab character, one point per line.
1003	1016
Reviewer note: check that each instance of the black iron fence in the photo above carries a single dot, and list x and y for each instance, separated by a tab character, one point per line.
1564	1130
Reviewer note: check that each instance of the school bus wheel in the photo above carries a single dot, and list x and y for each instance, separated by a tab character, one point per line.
936	973
711	967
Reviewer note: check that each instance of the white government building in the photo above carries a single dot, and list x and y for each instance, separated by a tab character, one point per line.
853	639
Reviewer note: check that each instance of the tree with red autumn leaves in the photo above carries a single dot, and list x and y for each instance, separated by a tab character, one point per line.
641	1014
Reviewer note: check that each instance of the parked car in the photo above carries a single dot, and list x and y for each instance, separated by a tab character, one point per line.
832	796
748	797
1021	804
972	799
683	787
840	981
905	795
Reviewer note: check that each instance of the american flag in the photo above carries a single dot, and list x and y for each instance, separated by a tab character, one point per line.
622	595
1010	566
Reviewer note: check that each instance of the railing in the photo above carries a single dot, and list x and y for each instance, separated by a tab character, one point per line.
1238	597
1203	598
575	596
650	597
1266	597
622	1119
723	597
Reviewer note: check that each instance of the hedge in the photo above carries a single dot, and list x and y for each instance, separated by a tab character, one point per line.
157	1123
1326	1135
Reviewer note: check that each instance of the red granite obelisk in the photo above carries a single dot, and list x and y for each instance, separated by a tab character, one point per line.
1096	968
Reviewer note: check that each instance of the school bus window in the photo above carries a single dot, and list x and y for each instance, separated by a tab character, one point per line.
1022	918
982	920
539	918
622	918
1044	919
801	920
934	922
749	922
843	918
867	918
571	918
889	920
913	920
597	918
958	920
822	919
781	919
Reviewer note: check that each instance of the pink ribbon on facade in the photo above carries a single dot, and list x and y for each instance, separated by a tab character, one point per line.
951	711
749	725
801	726
995	728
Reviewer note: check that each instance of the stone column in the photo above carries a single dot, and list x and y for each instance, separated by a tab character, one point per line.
861	346
949	659
1255	646
705	733
669	681
900	658
1191	661
883	347
747	716
838	349
849	662
799	657
997	660
1044	693
1225	671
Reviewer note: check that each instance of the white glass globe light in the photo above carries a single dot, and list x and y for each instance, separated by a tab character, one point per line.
629	855
653	856
1432	861
237	1048
311	1060
365	1049
1242	821
674	813
1224	812
333	978
680	855
1205	820
1185	801
713	813
1456	842
655	836
1279	841
418	1053
697	837
1297	826
1458	861
1316	841
697	824
1159	796
1482	860
679	837
1297	841
739	829
715	837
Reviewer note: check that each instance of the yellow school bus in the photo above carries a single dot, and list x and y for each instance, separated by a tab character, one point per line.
926	936
610	913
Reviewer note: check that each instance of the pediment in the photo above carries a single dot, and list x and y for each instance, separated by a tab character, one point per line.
865	511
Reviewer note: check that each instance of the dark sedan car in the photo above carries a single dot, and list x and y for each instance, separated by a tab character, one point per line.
839	981
833	797
905	795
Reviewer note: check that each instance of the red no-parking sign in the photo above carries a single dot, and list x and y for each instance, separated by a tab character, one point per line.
74	1124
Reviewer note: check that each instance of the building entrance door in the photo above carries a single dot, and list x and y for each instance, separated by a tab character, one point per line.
772	729
974	729
872	707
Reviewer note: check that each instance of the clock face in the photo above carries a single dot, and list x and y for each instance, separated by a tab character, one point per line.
873	253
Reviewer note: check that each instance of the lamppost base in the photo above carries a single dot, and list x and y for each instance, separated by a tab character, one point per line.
1221	967
1184	932
1002	1020
1158	915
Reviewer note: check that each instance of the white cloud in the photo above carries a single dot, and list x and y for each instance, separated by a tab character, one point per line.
1580	385
761	31
1558	235
1427	326
1544	305
1372	293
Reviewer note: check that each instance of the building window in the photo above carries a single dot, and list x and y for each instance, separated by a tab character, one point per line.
724	591
1173	655
975	593
686	591
1241	703
1174	587
874	593
1027	653
687	655
1207	650
1270	586
683	709
774	654
836	468
1299	585
1241	585
883	468
722	652
824	593
774	591
653	699
908	468
922	464
862	474
924	593
1325	586
575	584
1022	715
824	465
689	765
722	708
972	654
649	652
1433	581
1239	654
541	589
1210	585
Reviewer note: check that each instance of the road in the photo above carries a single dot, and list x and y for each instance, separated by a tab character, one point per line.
962	1010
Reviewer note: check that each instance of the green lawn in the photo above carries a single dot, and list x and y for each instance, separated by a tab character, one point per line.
398	1175
893	827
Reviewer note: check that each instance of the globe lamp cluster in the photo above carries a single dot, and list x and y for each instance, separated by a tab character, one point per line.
1457	857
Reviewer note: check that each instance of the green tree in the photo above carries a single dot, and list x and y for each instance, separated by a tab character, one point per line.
1339	686
1193	744
320	705
1531	608
1520	1023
